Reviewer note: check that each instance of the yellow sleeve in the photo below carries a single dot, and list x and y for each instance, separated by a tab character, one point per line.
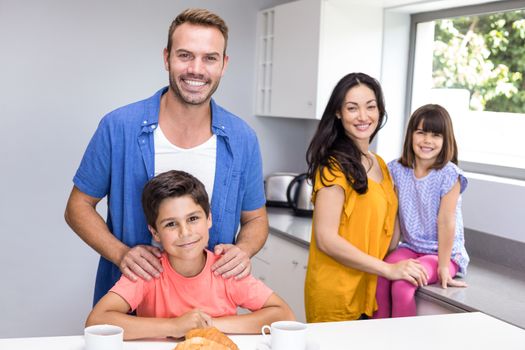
330	178
333	177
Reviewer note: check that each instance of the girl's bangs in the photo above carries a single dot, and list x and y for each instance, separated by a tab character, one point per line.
433	123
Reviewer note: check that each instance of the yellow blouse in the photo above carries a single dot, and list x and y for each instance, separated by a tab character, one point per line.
335	292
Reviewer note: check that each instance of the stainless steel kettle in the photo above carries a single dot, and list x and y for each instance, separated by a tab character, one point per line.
299	195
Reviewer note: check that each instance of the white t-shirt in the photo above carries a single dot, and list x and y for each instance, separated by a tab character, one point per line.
199	161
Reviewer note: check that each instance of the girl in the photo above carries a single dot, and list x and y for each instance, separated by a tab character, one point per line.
355	207
429	186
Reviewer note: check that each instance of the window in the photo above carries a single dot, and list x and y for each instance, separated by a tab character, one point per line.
471	60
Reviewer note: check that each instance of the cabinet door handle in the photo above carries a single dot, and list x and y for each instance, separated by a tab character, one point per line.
295	263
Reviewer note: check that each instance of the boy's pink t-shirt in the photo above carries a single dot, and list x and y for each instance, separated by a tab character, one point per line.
172	294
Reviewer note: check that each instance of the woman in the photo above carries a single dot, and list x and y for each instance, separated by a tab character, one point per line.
355	207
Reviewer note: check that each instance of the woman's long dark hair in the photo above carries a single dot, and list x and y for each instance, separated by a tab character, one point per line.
330	141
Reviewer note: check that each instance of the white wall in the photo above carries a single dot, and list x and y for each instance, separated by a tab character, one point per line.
63	65
393	81
495	205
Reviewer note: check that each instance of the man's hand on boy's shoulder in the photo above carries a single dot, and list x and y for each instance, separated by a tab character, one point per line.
234	261
141	261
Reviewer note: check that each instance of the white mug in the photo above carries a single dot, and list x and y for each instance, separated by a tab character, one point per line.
286	335
103	337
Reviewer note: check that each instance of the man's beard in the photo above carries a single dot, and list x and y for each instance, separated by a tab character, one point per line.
191	99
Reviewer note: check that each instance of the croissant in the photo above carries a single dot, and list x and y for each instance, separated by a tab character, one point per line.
200	343
207	338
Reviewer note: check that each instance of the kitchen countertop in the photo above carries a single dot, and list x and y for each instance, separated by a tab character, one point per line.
460	331
285	224
494	289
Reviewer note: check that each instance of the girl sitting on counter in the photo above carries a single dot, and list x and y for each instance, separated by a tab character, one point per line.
354	207
429	185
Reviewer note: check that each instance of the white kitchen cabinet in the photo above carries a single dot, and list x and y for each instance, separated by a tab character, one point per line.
282	264
306	46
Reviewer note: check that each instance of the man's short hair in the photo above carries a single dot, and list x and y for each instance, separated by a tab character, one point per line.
172	184
201	17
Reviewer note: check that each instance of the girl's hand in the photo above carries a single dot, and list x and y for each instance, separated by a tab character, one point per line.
409	270
445	279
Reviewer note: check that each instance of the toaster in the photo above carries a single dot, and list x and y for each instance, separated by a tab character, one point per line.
275	187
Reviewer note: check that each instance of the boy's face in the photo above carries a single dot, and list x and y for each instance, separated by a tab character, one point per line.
182	227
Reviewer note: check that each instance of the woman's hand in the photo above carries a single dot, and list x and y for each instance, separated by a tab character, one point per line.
409	270
445	279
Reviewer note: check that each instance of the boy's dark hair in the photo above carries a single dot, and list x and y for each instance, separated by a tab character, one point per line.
172	184
436	120
201	17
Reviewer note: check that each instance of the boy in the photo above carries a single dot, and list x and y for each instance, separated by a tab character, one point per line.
188	294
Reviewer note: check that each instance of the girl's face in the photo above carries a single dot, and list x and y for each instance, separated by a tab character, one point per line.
426	145
359	114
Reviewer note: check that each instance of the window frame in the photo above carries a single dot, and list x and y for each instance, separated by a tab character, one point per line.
480	9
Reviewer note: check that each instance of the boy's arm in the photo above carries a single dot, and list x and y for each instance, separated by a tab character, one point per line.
274	309
113	309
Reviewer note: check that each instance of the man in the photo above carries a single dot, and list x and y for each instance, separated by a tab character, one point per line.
180	127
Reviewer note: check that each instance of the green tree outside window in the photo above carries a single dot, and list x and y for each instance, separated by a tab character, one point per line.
485	55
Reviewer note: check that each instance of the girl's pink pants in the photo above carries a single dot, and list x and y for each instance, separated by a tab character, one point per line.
396	298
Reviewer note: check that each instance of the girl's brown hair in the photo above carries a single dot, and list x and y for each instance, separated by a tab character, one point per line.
436	120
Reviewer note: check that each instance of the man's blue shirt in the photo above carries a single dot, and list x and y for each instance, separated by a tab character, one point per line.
119	160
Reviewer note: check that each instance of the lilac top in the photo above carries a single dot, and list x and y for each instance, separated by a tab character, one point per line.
419	201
